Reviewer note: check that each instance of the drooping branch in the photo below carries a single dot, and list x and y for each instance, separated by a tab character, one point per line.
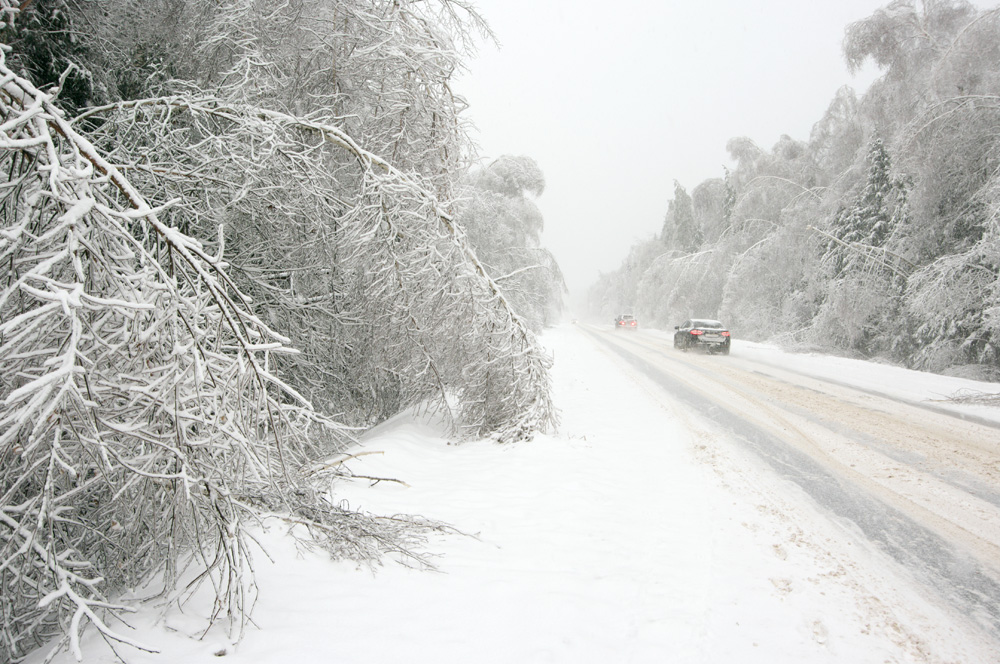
370	214
899	265
139	413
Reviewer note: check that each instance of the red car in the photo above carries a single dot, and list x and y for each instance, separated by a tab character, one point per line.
626	322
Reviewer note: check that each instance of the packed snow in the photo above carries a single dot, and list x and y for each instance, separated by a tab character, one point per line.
636	533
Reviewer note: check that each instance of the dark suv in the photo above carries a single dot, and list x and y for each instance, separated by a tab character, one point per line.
702	333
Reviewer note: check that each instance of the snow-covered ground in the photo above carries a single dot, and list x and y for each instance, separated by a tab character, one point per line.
637	533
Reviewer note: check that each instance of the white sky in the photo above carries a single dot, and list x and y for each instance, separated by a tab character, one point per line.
616	99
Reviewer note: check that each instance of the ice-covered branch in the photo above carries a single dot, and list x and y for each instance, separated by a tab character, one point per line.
133	381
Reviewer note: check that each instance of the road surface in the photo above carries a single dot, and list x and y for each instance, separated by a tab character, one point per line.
921	484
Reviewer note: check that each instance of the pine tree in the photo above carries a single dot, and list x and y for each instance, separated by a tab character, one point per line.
870	219
864	227
865	292
47	49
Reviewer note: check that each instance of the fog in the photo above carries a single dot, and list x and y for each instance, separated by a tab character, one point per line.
615	102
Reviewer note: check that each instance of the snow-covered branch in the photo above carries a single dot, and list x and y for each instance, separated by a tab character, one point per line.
137	399
160	259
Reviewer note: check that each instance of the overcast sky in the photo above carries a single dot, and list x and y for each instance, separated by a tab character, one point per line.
616	99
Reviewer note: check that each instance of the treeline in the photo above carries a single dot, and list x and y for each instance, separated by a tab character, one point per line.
878	236
233	235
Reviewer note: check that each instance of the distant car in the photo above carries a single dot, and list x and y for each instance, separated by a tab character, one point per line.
626	322
710	335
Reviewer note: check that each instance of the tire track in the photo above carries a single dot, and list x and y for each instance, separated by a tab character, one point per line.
838	463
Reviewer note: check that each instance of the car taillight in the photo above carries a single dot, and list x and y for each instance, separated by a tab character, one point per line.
632	323
725	334
697	332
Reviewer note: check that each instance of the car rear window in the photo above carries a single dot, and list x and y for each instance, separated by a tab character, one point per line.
710	324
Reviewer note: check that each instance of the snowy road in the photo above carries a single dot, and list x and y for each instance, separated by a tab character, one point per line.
919	483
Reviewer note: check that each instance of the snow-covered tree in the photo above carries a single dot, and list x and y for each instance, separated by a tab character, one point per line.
300	204
828	242
676	286
952	295
711	203
160	258
862	229
504	225
680	229
616	293
838	136
141	422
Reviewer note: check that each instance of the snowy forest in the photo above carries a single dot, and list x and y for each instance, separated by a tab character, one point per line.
235	235
877	237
